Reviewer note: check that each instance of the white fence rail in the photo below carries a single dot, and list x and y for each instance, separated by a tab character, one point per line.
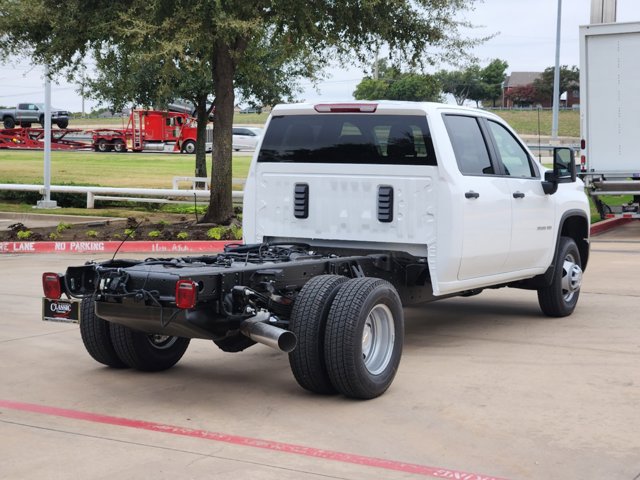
149	195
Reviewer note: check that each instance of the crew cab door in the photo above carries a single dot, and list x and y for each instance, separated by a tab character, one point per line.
486	200
533	212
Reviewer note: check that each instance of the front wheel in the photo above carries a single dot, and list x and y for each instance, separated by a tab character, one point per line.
147	352
189	147
561	297
363	338
62	123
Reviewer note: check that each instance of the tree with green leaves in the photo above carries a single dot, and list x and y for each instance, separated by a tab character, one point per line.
226	34
462	84
143	76
493	77
475	83
393	84
569	78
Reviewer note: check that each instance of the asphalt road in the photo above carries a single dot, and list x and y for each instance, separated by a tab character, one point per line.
487	387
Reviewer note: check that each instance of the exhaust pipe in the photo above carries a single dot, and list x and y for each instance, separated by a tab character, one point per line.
268	335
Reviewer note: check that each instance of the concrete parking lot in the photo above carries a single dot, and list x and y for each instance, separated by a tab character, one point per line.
487	388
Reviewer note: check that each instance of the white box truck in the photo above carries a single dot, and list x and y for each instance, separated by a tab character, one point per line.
610	112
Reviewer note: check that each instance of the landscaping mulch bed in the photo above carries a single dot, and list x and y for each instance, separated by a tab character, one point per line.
152	227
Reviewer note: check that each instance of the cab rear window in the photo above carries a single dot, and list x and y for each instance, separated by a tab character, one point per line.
348	138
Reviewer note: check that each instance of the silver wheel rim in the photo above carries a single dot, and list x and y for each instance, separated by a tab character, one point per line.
190	147
571	277
378	338
161	342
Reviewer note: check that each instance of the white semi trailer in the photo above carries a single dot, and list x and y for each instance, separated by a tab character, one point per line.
610	113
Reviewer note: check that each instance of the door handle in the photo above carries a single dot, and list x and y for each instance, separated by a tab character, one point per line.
471	194
518	195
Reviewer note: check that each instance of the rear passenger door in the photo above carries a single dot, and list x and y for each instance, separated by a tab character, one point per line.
486	200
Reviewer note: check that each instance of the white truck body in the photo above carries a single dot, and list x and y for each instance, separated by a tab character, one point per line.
508	233
610	98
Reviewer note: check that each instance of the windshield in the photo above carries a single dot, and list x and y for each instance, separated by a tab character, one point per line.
348	138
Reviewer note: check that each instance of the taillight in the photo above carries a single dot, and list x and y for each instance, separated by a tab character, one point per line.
346	107
186	294
51	285
583	144
583	163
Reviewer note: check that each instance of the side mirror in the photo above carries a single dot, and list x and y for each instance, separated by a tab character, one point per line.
550	183
564	165
564	170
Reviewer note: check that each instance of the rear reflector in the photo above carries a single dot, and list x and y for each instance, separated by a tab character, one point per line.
51	285
186	294
346	107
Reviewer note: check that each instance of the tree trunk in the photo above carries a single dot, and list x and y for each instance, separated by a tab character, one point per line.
220	202
201	139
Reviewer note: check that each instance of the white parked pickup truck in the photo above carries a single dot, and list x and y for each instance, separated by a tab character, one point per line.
351	212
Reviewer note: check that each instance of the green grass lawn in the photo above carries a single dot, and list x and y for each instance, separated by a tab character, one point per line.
525	122
108	170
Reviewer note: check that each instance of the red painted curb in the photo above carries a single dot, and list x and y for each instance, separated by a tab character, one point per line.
165	247
288	448
609	224
170	247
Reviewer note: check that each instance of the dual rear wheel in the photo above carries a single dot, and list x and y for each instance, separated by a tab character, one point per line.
118	346
350	335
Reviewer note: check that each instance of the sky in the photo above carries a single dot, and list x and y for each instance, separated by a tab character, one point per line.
525	36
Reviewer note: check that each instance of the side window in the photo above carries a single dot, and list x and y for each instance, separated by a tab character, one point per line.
469	145
514	158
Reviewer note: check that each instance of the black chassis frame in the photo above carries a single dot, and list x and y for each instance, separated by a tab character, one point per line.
140	294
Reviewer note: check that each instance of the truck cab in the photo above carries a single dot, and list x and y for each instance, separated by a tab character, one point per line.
451	185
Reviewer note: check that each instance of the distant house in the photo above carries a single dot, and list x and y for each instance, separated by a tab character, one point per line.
524	80
518	81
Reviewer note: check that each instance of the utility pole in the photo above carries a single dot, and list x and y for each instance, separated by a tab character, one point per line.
556	77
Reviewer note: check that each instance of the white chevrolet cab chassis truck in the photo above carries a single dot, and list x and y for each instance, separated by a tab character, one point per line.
351	211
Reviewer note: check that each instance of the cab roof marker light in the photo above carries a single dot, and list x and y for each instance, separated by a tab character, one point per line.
346	107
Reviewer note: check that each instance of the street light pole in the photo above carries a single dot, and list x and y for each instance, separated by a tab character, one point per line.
556	77
46	202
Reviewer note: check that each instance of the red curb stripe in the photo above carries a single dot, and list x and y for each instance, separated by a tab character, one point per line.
162	247
609	224
413	468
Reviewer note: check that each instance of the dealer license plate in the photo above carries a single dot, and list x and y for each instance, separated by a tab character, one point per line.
65	311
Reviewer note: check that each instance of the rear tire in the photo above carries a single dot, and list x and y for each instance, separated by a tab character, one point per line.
147	352
561	297
119	146
364	336
308	321
103	145
96	336
9	122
